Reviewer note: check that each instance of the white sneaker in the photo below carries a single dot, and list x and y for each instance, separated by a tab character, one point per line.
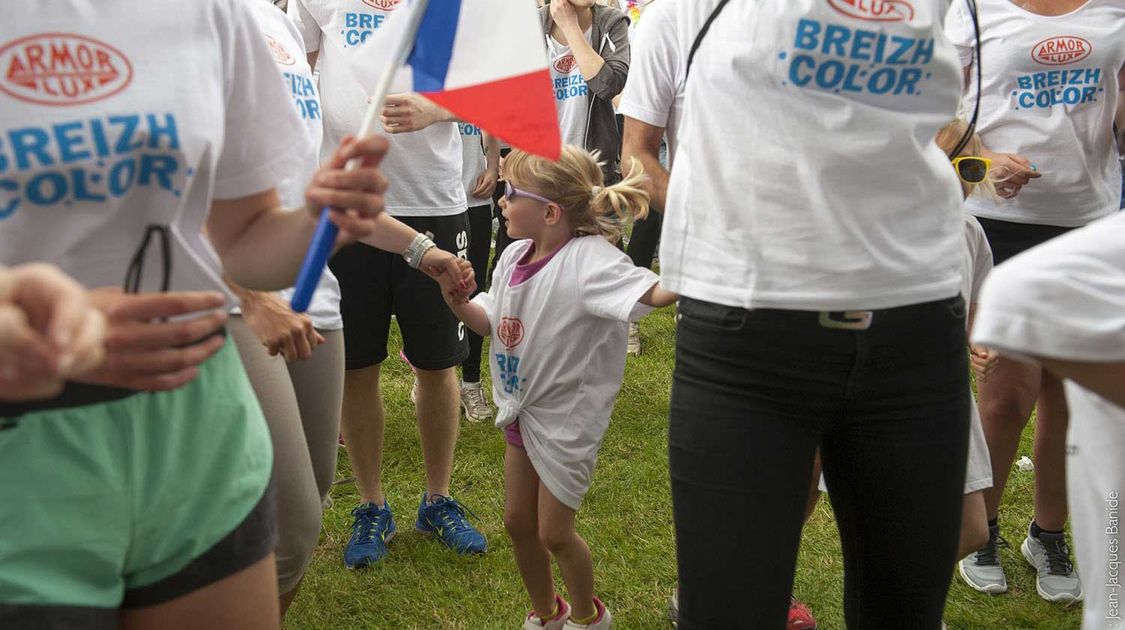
535	622
634	345
1055	579
603	622
474	403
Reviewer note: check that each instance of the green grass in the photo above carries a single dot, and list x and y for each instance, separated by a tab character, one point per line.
626	519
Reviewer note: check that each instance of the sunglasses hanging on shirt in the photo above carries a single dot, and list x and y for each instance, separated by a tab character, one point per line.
135	274
972	128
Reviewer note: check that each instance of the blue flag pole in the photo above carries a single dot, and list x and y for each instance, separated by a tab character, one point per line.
324	238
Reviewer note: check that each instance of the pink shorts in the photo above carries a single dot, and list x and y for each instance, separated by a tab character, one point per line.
512	434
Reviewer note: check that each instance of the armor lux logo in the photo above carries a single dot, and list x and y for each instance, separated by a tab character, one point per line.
565	64
383	5
510	332
1062	50
62	69
875	10
280	55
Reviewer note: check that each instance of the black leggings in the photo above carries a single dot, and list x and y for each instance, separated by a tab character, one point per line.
480	244
645	238
753	395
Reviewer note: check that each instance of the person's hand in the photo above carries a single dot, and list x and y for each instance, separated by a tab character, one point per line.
458	287
355	196
984	361
1010	173
144	350
447	268
49	332
563	14
279	329
403	113
486	183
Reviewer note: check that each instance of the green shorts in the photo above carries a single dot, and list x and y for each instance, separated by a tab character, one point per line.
133	502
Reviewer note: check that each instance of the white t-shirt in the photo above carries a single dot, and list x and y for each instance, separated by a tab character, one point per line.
571	92
806	176
654	93
473	162
1064	299
562	392
288	52
117	115
423	167
1049	94
976	260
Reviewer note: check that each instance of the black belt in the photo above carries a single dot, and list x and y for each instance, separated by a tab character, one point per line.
73	395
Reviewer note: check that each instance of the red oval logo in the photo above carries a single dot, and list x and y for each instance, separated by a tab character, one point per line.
62	69
1061	50
566	64
510	332
875	10
280	54
382	5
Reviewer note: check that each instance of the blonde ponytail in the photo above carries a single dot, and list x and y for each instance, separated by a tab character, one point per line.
576	183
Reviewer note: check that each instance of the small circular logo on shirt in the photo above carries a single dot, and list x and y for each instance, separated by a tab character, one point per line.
280	54
510	332
382	5
875	10
1061	50
566	63
62	69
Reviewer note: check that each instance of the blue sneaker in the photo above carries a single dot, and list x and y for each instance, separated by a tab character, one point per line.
372	529
445	518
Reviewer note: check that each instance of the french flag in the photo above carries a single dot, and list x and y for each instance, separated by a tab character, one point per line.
483	60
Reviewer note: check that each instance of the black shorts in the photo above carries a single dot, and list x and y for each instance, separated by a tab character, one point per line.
1007	238
375	283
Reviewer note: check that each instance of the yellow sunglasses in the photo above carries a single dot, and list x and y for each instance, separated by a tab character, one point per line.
972	169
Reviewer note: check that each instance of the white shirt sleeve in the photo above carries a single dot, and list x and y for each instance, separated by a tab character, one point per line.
262	131
306	24
1064	299
653	74
959	31
982	262
610	284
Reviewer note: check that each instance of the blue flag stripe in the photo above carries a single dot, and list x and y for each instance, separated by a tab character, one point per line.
433	47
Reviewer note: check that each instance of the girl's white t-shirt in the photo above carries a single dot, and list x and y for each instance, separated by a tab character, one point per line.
1049	94
473	162
654	93
1064	299
571	92
117	115
288	53
807	176
558	353
423	167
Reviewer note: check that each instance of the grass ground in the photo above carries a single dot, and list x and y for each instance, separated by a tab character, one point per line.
626	519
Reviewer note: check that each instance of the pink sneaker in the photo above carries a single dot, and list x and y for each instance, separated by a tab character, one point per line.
534	622
604	620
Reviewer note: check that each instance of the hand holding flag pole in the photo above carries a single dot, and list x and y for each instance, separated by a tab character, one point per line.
324	238
501	85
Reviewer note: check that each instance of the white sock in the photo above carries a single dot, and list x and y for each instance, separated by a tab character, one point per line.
468	384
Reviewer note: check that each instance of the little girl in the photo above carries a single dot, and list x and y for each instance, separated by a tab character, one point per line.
557	312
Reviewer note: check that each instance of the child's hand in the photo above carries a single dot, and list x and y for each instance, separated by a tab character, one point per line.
984	361
463	290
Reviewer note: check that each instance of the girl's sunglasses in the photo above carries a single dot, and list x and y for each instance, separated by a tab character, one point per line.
511	192
972	170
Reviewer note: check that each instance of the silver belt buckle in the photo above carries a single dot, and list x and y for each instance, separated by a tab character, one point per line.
846	320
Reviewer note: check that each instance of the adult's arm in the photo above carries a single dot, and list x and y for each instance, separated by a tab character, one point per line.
642	142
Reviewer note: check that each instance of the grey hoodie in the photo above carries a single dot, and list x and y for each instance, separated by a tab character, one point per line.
609	36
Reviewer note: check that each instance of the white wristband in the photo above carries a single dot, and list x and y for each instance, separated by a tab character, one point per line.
417	249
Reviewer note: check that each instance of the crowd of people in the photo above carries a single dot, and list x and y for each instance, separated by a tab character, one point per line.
828	185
